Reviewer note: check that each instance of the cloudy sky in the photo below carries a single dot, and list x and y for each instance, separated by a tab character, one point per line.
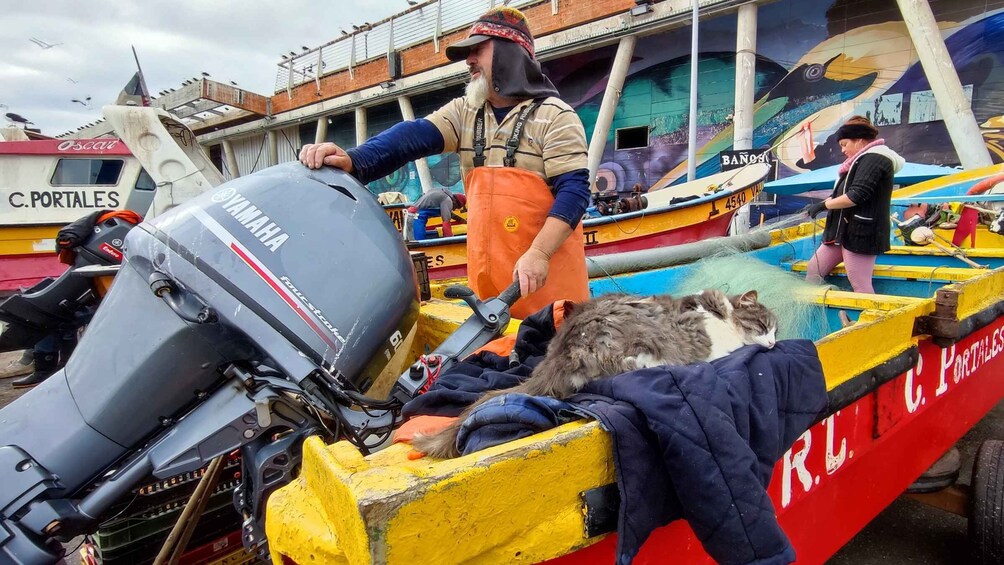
175	40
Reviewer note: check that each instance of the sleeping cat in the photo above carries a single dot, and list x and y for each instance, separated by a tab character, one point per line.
617	333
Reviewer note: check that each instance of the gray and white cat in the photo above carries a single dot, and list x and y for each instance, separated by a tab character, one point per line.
617	333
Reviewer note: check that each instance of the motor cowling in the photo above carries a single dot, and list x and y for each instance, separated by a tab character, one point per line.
311	252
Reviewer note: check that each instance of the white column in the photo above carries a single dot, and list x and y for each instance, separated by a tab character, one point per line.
692	132
361	125
322	130
742	116
941	74
273	147
424	176
611	96
228	152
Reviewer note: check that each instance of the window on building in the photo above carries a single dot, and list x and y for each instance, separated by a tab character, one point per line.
631	138
86	172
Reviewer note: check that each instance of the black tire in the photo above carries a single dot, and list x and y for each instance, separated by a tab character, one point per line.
986	511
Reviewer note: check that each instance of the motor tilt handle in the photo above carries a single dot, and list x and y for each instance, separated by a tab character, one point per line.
508	296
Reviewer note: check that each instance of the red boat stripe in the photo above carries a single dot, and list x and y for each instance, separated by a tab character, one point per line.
298	308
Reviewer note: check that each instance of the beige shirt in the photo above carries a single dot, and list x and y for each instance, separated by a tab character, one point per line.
553	140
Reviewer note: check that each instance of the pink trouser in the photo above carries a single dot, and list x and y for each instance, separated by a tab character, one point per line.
859	267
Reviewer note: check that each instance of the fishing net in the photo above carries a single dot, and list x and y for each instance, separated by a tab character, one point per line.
777	289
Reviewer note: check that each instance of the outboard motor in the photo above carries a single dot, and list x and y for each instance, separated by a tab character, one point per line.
52	304
248	318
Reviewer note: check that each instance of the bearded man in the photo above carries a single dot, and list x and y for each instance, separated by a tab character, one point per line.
523	158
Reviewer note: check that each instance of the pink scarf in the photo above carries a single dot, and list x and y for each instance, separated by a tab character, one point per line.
846	166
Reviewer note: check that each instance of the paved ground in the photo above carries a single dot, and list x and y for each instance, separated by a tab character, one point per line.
911	532
906	532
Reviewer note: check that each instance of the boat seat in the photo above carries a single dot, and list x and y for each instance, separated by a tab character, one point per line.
904	272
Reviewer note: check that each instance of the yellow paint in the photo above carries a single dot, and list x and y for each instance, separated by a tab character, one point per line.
978	293
509	504
906	272
922	188
872	342
986	251
857	301
29	240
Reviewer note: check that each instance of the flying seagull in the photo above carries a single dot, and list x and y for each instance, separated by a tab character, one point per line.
86	102
42	44
71	80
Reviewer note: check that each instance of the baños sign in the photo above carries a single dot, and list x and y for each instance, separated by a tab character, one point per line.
737	159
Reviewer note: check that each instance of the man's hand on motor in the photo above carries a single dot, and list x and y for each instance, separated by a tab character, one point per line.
315	155
531	271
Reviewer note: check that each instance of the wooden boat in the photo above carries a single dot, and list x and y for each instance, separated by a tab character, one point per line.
679	214
46	184
922	362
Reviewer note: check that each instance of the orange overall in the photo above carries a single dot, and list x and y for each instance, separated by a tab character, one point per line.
506	208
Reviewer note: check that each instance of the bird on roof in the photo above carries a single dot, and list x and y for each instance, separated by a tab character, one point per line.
43	44
233	83
305	48
205	74
17	118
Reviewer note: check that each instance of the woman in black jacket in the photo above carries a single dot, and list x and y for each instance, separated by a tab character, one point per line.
857	222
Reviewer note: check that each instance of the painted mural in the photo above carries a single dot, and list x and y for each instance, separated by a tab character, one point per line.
817	62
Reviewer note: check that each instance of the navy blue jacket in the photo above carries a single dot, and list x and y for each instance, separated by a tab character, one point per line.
700	442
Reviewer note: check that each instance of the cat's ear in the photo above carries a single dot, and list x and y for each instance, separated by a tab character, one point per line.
569	307
748	298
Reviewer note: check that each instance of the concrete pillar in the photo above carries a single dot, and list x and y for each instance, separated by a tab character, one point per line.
611	96
424	176
273	147
322	130
361	125
742	116
695	16
941	74
228	153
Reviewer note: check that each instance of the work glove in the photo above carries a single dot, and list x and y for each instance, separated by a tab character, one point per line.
815	208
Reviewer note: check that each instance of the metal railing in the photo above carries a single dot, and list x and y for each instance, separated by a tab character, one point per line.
428	21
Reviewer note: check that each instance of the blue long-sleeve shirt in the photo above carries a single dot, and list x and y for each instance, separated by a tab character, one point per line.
406	141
